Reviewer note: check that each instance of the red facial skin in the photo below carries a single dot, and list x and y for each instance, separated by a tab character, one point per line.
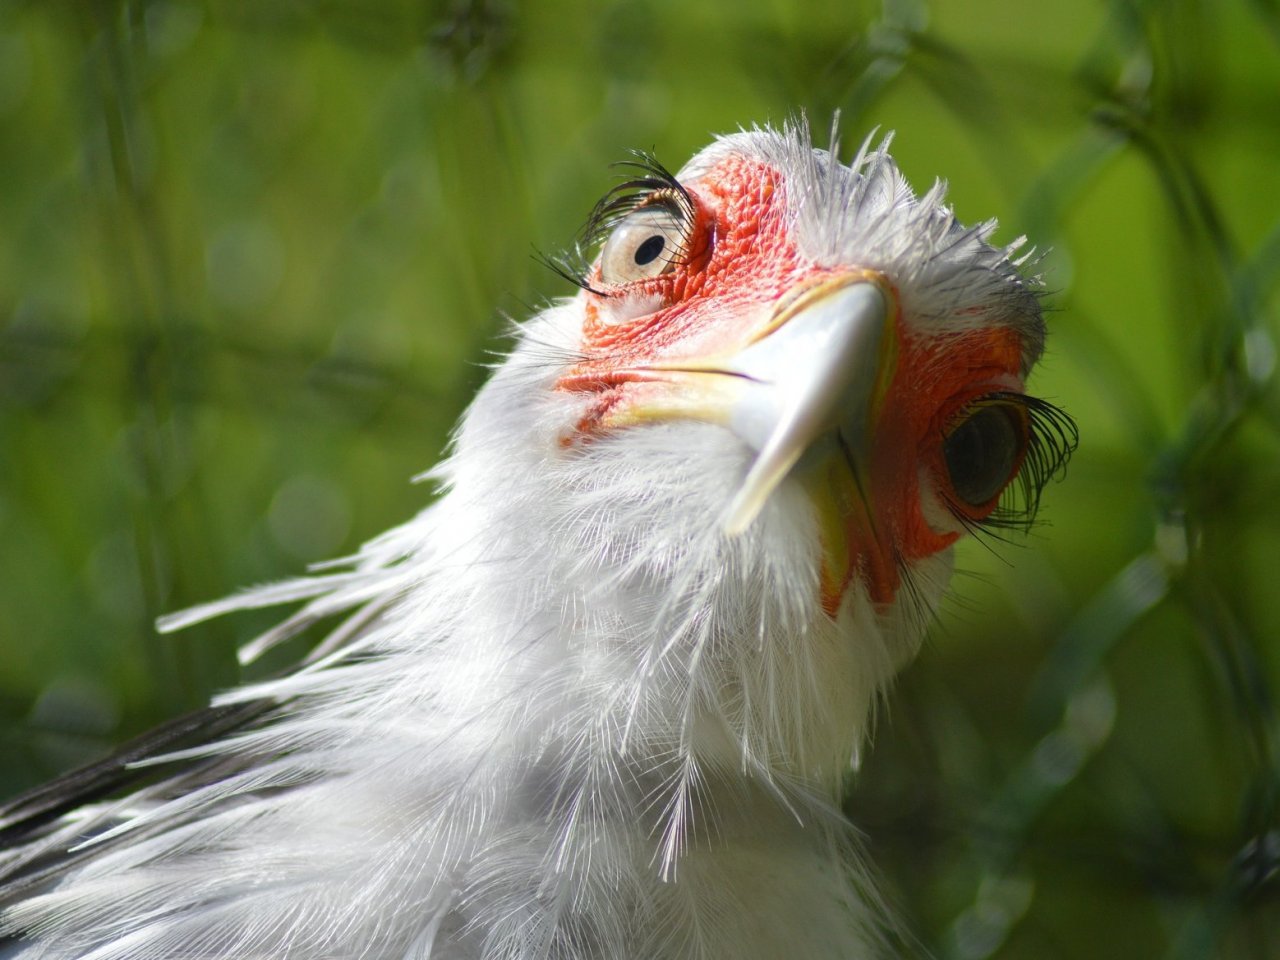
934	381
740	262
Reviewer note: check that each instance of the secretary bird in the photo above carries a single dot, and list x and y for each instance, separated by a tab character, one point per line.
601	698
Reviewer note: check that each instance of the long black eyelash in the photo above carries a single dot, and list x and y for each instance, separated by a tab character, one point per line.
653	179
1052	437
645	180
571	265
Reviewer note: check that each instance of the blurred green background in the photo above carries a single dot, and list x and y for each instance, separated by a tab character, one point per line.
254	255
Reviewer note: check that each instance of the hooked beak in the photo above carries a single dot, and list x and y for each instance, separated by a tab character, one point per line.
815	371
816	367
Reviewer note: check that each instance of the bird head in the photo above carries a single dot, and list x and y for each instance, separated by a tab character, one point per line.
857	340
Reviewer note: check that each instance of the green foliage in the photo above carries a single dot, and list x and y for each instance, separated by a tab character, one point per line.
254	255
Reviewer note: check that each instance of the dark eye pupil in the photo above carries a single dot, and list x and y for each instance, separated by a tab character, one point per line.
981	454
649	251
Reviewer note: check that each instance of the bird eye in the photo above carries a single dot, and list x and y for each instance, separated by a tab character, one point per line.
645	243
985	451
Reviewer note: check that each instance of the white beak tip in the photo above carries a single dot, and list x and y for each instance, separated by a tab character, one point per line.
740	514
773	464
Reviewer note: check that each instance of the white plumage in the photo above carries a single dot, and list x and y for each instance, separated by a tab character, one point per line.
567	715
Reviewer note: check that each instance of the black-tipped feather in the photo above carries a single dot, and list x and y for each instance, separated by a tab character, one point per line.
26	819
26	813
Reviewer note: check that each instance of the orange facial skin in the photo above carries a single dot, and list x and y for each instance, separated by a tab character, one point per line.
934	381
739	263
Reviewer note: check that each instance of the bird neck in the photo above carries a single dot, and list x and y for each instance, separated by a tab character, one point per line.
631	646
